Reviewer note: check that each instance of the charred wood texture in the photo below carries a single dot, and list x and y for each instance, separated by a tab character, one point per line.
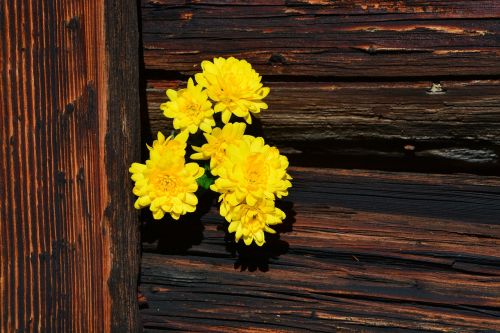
69	128
381	84
360	251
395	85
323	38
450	126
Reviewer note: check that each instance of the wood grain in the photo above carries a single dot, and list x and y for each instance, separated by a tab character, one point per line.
323	38
421	126
69	128
362	251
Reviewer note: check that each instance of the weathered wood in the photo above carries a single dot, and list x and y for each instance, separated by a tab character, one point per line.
324	38
405	125
69	128
363	251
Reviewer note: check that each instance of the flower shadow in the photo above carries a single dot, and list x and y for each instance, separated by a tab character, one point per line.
176	237
167	236
253	257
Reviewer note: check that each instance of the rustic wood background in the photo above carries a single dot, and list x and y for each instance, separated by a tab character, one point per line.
361	251
406	86
351	79
69	129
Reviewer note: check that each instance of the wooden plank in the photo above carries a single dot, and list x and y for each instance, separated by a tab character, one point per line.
69	129
323	38
405	125
361	251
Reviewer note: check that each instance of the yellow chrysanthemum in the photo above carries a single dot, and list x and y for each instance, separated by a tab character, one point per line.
250	222
252	171
235	87
175	147
217	142
190	109
166	184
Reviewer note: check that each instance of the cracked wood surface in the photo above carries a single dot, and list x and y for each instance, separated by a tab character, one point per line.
322	38
416	125
361	251
392	85
69	129
397	85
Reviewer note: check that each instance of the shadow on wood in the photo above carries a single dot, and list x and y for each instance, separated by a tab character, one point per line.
171	236
167	236
254	257
368	251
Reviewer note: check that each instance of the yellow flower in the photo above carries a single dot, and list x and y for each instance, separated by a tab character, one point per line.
190	109
250	222
174	146
166	184
252	171
235	87
217	142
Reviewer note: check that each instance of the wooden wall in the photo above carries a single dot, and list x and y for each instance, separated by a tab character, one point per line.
409	87
360	251
396	85
69	129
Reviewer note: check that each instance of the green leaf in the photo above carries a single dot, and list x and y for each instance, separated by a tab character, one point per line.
207	179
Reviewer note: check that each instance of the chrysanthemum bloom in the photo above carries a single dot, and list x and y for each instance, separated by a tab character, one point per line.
190	109
235	87
166	185
217	143
175	147
252	171
250	222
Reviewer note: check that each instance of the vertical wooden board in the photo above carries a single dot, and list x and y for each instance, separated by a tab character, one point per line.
122	148
69	128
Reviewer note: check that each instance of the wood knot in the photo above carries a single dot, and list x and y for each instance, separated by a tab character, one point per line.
69	108
73	23
277	59
371	50
436	89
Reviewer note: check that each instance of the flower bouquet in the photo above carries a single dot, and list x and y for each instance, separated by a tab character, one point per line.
247	173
